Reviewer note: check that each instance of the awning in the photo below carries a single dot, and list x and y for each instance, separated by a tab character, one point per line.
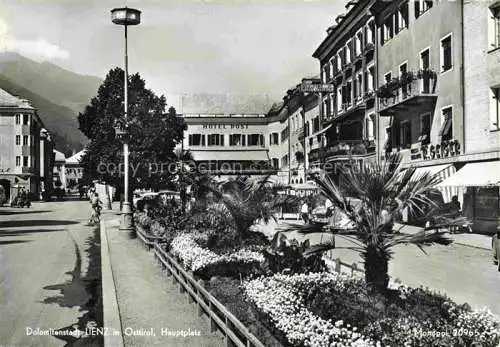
475	175
225	155
444	170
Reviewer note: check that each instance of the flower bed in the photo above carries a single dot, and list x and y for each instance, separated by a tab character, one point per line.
320	309
281	298
206	263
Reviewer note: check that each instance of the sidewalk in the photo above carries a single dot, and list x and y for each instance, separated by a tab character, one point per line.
469	240
150	306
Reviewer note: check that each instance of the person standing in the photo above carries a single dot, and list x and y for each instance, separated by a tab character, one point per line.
304	211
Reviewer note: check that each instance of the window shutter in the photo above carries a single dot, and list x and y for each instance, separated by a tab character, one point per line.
493	109
417	9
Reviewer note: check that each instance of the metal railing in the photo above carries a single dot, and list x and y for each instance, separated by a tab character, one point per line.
235	333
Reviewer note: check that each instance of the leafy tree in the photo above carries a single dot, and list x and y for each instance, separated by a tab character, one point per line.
152	134
370	198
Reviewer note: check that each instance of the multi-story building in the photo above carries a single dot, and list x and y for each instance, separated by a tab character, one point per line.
347	58
256	144
434	68
438	78
23	161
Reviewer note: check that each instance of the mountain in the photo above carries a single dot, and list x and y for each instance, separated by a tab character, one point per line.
58	94
230	103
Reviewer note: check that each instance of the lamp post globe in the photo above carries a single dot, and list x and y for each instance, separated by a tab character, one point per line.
126	16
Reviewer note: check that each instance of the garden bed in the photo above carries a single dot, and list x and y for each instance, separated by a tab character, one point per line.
284	298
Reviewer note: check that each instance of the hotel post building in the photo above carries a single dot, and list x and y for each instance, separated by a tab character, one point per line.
276	143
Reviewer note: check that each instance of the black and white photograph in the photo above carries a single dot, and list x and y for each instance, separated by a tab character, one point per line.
250	173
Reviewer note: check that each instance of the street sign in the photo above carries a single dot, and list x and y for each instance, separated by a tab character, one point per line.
317	88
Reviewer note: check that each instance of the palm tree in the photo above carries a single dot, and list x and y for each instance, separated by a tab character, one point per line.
248	201
370	197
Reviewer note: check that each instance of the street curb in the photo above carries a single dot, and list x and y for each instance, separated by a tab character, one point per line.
461	244
472	246
111	312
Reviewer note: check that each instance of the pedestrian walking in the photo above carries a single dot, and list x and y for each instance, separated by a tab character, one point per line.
96	204
304	211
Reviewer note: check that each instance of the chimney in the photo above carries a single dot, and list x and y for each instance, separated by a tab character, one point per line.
73	152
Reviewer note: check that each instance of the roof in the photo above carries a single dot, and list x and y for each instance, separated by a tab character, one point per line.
76	158
59	156
9	100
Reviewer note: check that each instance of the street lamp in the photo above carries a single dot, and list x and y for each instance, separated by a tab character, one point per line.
126	16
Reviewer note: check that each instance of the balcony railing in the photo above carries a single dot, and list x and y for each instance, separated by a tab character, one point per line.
407	87
343	148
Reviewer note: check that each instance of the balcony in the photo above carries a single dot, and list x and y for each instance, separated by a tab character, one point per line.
343	149
410	90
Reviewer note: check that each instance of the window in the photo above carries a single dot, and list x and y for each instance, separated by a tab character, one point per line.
422	6
331	69
274	139
26	118
196	140
348	92
26	161
284	161
370	127
425	128
388	28
402	71
339	99
25	140
495	108
340	62
284	134
18	161
348	52
215	140
275	163
370	32
358	90
387	77
237	140
18	119
446	56
494	28
425	65
358	43
402	17
18	140
446	131
315	124
256	140
405	134
371	78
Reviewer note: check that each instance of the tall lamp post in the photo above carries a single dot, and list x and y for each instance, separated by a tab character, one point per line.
125	16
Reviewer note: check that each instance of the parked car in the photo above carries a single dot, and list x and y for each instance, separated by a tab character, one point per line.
495	245
141	196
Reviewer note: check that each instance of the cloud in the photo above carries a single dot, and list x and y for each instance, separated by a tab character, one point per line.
39	49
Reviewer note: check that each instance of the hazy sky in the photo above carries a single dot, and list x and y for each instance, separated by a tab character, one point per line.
181	46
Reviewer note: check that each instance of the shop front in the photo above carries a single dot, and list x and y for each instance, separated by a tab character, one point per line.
480	184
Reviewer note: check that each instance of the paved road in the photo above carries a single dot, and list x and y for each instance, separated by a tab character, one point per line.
465	274
49	273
